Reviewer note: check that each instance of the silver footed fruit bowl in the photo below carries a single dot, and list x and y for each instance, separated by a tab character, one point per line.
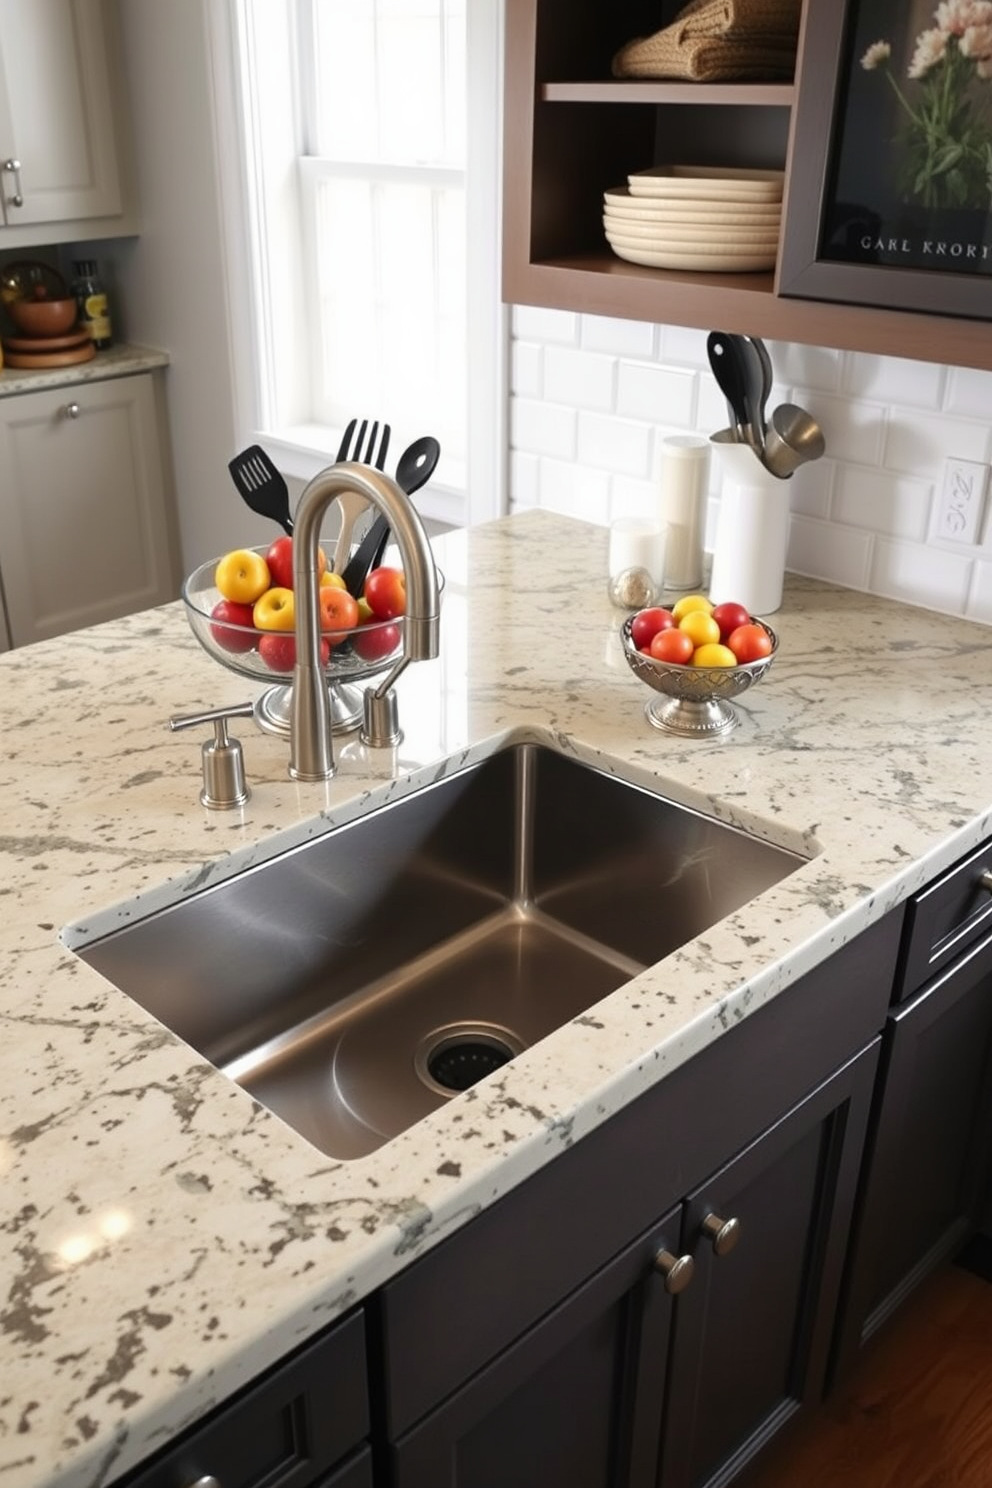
353	656
695	701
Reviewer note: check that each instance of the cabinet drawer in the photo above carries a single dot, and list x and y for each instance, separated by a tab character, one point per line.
286	1431
945	920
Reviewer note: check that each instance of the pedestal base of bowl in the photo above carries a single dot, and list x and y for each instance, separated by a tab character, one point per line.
692	720
274	708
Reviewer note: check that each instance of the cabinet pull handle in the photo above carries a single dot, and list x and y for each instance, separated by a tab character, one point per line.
14	168
723	1233
677	1270
985	879
71	411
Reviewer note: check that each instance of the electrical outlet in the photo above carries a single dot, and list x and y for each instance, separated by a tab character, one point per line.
962	500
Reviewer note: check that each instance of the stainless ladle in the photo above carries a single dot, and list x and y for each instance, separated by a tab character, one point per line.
792	438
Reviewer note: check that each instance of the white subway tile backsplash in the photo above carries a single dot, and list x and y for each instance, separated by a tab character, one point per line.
557	327
822	550
624	338
582	379
920	443
615	444
663	395
592	397
853	430
574	490
527	369
810	489
980	600
894	380
920	575
524	471
882	502
968	393
543	428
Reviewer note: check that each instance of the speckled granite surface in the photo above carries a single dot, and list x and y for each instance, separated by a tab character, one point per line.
116	361
162	1238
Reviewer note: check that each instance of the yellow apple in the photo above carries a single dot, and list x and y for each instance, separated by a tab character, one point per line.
275	609
242	576
331	580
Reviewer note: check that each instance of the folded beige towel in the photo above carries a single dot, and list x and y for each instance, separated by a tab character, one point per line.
714	40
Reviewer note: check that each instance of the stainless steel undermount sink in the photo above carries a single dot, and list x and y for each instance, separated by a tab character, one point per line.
357	982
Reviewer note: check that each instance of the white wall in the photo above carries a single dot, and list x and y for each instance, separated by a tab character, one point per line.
173	286
591	398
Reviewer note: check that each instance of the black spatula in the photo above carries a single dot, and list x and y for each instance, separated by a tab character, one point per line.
261	486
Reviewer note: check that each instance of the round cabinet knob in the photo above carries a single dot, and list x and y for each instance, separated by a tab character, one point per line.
722	1233
985	879
71	411
677	1270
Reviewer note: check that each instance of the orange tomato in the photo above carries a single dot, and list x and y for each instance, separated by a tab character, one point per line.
750	642
671	645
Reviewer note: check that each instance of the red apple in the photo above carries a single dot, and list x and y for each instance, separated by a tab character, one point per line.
279	557
385	593
373	641
227	613
277	648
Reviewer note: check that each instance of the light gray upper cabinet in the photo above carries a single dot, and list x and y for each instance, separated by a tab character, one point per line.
61	121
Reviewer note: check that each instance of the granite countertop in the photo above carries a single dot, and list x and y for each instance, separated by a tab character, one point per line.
119	360
163	1238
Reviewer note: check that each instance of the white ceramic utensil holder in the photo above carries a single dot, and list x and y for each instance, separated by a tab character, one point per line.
752	532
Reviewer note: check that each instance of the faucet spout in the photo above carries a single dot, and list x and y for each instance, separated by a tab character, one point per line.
311	751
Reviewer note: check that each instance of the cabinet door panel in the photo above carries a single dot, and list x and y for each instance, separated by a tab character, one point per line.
55	111
576	1401
930	1156
85	530
752	1330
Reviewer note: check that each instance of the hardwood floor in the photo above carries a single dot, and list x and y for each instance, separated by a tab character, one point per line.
917	1413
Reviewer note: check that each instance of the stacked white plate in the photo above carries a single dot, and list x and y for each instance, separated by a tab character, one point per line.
697	217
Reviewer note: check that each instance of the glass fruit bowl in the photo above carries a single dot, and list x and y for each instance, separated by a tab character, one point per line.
695	701
268	656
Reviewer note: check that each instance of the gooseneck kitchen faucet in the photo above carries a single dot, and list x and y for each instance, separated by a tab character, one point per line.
311	753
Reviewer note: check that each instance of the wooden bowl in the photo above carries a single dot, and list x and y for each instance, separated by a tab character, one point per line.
43	317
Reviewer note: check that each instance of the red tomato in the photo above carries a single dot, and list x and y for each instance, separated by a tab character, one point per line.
338	612
672	645
385	593
647	623
729	616
750	642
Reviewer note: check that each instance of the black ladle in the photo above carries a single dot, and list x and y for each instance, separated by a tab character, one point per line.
731	375
414	469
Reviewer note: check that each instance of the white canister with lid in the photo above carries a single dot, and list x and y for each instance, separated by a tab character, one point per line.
685	467
752	532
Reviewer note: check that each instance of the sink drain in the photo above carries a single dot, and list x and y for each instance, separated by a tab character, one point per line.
454	1058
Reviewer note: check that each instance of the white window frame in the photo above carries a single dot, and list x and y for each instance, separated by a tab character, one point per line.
262	221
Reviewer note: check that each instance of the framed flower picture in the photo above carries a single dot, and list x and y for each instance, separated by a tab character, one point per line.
890	181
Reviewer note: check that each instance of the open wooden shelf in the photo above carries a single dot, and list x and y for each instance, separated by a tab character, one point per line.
572	132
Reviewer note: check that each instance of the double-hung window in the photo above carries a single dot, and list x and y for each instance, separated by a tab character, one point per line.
371	133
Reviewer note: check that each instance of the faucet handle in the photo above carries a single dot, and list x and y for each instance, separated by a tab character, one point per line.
223	758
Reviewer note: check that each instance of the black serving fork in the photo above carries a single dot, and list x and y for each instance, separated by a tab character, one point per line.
366	451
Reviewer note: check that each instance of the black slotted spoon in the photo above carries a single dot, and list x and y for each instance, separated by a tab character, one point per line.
261	486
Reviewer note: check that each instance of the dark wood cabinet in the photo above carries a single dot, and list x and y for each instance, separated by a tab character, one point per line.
625	1383
306	1422
543	1344
929	1162
571	131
